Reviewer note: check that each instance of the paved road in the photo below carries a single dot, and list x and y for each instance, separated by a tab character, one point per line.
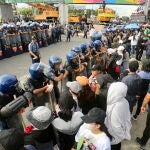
19	65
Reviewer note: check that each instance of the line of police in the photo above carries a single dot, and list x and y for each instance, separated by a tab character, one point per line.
14	38
41	87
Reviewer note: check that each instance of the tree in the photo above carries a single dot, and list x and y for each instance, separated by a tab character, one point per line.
26	12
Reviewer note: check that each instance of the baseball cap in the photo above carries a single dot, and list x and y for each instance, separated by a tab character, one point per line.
40	117
83	80
121	48
95	115
74	86
110	51
96	67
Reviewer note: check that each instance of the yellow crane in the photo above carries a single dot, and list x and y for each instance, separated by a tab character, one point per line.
45	11
105	15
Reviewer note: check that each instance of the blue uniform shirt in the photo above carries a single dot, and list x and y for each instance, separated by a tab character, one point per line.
34	47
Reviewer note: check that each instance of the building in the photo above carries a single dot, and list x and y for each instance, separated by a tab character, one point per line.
147	10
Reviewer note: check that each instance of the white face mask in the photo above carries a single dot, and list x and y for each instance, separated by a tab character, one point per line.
90	127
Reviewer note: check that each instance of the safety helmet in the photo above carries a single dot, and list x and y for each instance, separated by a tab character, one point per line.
76	49
71	55
36	70
83	47
53	60
97	43
90	44
8	84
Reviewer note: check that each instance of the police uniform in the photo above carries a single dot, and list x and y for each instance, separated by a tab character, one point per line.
52	74
34	47
31	84
12	121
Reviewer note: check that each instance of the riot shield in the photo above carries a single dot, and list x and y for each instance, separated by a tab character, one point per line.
39	37
1	48
19	43
25	40
44	39
48	36
13	43
7	46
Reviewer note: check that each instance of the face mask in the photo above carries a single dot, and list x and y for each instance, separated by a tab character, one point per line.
91	127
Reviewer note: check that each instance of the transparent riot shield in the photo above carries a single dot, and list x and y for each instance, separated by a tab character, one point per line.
13	43
7	46
19	43
39	37
44	39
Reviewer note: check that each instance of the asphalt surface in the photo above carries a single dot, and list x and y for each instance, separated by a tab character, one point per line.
19	65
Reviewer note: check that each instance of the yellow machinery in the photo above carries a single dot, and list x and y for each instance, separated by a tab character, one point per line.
73	19
105	16
45	11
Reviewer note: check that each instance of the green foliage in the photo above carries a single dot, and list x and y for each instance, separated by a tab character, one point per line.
25	11
80	12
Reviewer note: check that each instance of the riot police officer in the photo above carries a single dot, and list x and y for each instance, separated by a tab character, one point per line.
56	74
73	66
12	99
39	85
34	51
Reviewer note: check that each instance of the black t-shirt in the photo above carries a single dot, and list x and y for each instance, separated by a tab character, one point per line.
40	136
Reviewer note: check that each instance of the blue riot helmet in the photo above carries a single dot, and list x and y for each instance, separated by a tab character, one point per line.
36	70
83	47
54	60
97	44
90	44
76	49
98	36
71	55
8	84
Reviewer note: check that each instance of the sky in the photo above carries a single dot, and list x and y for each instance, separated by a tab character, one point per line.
121	10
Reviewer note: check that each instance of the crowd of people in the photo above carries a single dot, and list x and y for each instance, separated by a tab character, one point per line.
92	107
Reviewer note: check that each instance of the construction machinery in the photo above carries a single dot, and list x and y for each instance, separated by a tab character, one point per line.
105	15
73	18
45	11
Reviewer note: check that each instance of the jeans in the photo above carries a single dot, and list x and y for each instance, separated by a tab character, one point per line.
116	146
133	49
132	102
146	133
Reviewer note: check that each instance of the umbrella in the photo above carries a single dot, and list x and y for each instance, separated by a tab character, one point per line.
132	26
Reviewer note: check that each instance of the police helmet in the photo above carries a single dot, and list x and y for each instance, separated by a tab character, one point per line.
8	84
83	47
36	70
71	55
76	49
90	44
97	43
53	60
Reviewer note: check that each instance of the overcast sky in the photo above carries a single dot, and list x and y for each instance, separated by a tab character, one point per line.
122	10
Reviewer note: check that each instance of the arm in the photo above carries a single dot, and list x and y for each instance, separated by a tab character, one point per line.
31	53
145	102
40	90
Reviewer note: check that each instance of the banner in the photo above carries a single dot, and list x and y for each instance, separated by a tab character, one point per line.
125	2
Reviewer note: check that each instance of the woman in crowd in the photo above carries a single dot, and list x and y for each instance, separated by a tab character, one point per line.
93	133
67	121
118	118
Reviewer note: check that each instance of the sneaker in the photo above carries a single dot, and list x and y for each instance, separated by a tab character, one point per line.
134	117
138	141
